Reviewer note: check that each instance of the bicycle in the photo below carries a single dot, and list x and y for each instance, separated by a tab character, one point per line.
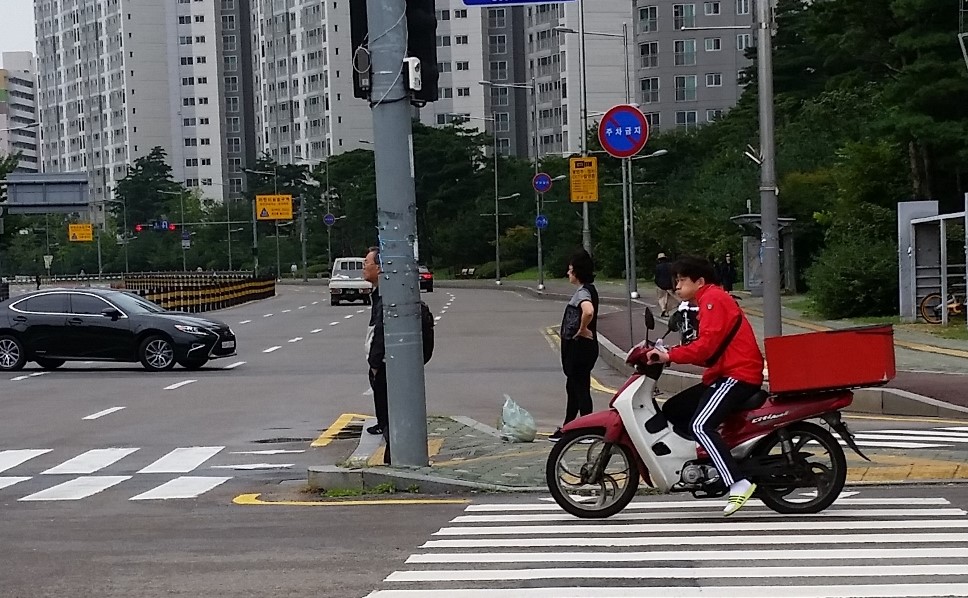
931	306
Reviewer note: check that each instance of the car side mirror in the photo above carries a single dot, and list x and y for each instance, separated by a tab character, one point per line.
110	312
649	319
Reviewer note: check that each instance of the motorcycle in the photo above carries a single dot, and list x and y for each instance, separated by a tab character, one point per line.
799	467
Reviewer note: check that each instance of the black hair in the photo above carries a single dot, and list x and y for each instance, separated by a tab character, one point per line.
582	266
694	268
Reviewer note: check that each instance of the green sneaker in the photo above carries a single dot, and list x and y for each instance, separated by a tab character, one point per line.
737	501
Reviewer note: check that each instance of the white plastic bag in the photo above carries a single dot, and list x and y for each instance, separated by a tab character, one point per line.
516	424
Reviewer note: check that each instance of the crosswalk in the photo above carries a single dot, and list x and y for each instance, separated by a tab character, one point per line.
954	437
38	475
891	547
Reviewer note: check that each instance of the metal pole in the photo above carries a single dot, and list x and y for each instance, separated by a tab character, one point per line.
329	229
255	240
228	227
586	231
966	241
537	196
497	210
275	185
100	267
633	276
124	212
302	235
181	196
626	166
944	272
397	226
772	323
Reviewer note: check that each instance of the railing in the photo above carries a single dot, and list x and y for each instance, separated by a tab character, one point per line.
196	293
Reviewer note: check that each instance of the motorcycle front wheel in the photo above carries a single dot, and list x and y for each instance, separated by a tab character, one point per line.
572	479
813	470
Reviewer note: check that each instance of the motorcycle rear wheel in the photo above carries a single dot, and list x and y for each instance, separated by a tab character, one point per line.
569	468
827	466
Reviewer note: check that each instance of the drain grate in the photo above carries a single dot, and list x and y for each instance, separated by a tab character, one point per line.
281	440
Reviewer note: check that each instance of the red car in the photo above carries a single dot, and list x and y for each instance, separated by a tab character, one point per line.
426	279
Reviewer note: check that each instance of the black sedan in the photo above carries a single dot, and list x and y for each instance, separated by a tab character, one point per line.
59	325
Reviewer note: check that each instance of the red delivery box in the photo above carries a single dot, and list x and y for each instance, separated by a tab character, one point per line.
847	358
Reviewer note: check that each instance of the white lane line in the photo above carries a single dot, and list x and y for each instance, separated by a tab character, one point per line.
550	517
806	591
103	413
267	316
253	466
295	340
77	489
183	460
180	384
285	311
245	321
885	444
7	482
19	378
35	374
334	323
12	458
269	452
315	302
437	318
271	349
672	504
232	366
91	461
182	487
687	555
347	316
705	527
360	311
910	435
315	331
702	540
302	307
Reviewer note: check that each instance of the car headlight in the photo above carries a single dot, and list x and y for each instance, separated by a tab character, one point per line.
191	329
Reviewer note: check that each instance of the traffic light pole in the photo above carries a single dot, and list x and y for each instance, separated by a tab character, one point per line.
397	228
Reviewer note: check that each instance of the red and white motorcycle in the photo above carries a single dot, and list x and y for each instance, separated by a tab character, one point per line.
593	471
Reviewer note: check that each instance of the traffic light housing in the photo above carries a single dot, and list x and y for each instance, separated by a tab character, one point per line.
421	44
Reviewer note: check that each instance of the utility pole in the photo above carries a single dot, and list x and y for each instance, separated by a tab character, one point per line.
586	231
397	226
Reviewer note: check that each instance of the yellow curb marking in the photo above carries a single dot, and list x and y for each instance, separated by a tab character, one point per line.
433	447
331	432
555	342
889	468
253	499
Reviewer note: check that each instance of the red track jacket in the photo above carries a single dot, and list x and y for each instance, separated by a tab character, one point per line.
742	359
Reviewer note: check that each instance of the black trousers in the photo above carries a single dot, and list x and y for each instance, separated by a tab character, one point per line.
699	410
378	383
578	357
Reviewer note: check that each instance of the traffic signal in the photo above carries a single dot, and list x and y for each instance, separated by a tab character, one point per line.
156	225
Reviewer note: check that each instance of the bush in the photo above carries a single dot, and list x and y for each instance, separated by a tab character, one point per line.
489	269
855	278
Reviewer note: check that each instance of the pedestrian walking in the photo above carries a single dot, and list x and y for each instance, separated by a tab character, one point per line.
726	272
665	285
375	345
579	338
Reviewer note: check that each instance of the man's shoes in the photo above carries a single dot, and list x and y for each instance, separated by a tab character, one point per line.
737	501
556	436
376	429
664	315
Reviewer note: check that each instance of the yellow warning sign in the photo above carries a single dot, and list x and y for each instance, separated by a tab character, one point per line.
273	207
80	232
583	179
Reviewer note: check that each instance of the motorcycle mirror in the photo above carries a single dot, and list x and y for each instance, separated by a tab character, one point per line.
675	321
649	319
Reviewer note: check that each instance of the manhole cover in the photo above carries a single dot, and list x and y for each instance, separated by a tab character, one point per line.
281	440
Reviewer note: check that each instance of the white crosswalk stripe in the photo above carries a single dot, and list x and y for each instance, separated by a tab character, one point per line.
889	547
183	487
951	437
183	460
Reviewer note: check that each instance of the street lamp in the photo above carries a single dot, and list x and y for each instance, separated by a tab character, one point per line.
302	222
634	277
181	196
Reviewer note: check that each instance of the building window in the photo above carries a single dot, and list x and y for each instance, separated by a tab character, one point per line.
497	18
499	70
228	4
461	40
653	118
713	115
686	119
235	185
443	15
199	18
497	44
445	92
710	8
443	119
199	39
463	92
185	40
230	43
499	96
686	88
188	80
231	104
460	13
191	142
650	90
444	67
187	60
188	101
742	7
649	19
231	84
743	41
231	63
714	79
191	163
234	124
683	15
234	144
649	55
188	122
502	121
443	41
685	50
206	161
713	44
463	65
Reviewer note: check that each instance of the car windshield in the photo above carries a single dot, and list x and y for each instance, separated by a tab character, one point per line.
132	303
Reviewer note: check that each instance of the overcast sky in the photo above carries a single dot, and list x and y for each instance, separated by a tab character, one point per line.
17	26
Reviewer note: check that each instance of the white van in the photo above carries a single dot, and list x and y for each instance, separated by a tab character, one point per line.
346	282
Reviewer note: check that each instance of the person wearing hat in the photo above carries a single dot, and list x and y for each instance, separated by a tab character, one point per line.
665	285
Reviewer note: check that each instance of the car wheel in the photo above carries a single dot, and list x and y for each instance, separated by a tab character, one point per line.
12	353
50	364
156	354
334	302
193	364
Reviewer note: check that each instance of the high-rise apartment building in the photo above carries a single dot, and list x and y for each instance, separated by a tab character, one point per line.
117	78
18	110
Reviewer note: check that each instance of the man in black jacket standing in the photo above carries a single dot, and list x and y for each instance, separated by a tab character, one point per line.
665	285
376	346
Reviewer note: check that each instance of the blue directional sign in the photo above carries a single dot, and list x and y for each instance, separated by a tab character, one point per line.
509	2
623	131
329	220
541	221
541	182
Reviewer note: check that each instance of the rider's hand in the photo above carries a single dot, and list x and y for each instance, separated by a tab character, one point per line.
656	356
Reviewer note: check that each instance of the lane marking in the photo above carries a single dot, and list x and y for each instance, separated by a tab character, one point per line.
295	340
232	366
7	482
302	307
77	488
253	466
334	323
182	460
267	316
360	311
285	311
90	461
269	452
347	316
253	499
316	331
330	433
315	302
245	321
927	420
180	384
759	591
35	374
673	504
271	349
437	318
182	487
12	458
103	413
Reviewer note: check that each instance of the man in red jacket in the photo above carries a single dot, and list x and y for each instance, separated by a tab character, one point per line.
727	348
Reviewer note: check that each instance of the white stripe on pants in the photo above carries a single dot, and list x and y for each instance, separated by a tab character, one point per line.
697	429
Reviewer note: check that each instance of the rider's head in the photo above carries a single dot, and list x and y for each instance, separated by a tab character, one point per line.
692	273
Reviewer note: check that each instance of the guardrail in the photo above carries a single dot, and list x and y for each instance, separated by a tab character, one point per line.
196	293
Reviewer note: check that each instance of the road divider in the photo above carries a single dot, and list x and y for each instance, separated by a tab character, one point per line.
198	292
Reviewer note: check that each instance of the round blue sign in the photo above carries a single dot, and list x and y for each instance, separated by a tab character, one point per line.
623	131
329	220
541	221
541	182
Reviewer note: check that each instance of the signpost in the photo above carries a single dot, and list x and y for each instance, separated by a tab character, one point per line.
623	131
273	207
80	232
583	178
48	260
186	239
541	182
329	220
541	221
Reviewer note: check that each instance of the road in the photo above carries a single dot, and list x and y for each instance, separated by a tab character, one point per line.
117	482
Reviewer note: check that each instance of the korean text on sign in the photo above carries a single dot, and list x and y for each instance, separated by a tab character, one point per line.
584	179
273	207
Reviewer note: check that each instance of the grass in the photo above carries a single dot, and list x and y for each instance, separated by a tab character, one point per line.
388	488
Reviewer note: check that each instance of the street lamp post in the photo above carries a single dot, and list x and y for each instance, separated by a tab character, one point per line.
255	233
181	197
124	236
302	225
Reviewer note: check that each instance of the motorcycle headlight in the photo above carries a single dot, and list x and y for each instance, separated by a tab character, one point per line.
191	329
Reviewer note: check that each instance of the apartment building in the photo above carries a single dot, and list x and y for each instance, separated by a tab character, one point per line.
18	110
117	78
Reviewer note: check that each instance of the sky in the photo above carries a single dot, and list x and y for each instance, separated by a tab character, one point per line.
17	26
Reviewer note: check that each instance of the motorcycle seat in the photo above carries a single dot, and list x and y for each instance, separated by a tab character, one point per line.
756	400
